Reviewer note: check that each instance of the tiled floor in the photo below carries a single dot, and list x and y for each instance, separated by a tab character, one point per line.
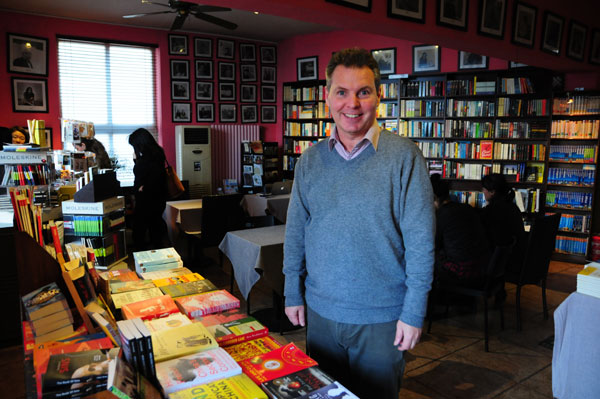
448	363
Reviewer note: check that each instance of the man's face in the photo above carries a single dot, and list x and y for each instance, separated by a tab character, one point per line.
353	100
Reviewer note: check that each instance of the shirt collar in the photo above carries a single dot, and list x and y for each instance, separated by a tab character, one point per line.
372	136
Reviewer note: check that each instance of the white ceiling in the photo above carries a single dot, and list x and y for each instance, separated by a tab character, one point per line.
250	26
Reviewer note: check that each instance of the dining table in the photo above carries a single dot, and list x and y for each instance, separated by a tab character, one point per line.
263	204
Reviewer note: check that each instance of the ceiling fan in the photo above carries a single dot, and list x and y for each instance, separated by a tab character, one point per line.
183	9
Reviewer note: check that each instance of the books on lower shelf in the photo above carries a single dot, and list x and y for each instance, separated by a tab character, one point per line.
588	280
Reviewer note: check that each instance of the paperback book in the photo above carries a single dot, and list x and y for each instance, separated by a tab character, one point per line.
241	330
152	308
117	287
184	278
44	301
156	257
181	341
296	384
255	347
155	275
124	298
210	302
237	387
186	289
165	323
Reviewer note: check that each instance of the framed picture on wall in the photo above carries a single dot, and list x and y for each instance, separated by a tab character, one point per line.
268	114
180	69
426	58
595	47
386	59
268	55
268	94
552	33
182	112
205	112
524	24
180	90
29	95
249	114
202	47
204	69
247	52
268	74
226	91
576	40
412	10
225	49
228	113
48	133
468	60
178	45
492	15
248	93
452	13
226	71
204	91
248	72
362	5
307	68
27	54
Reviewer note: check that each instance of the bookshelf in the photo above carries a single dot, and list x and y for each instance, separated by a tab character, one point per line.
260	165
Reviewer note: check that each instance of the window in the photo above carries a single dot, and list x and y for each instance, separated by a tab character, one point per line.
113	86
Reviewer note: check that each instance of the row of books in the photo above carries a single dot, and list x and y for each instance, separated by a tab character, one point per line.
571	245
521	130
312	93
468	129
390	125
431	149
389	90
302	129
574	223
468	87
520	152
474	198
588	280
466	171
573	153
521	172
421	108
528	199
423	88
577	105
387	110
516	86
521	107
21	175
569	200
470	108
298	146
468	150
572	177
93	225
585	129
421	129
306	111
289	163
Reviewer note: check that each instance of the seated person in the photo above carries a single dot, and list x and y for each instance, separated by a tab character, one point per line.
19	135
462	251
93	145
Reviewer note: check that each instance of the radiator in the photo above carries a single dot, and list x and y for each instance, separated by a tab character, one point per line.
226	151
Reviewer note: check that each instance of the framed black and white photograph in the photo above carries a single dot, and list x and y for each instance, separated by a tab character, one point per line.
386	59
513	64
182	112
29	95
362	5
268	74
225	49
524	24
411	10
552	33
226	91
249	114
180	90
204	91
180	69
248	93
492	15
178	45
202	47
248	72
226	71
595	47
205	112
452	13
307	68
268	55
426	58
27	54
268	94
227	113
468	60
268	114
247	52
204	69
576	41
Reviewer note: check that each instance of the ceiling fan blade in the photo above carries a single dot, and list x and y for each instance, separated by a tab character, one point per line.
216	21
179	20
148	13
200	8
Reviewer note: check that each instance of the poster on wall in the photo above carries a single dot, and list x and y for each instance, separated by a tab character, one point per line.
27	54
29	95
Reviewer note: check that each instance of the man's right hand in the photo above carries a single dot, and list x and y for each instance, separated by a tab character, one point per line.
295	314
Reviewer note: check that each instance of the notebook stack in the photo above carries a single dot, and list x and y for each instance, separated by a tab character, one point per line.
588	280
157	260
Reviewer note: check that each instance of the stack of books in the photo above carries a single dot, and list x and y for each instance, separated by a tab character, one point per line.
48	312
157	260
588	280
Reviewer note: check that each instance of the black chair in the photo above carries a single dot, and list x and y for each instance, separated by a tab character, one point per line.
534	266
493	283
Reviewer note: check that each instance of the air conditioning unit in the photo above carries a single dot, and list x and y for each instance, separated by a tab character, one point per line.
192	151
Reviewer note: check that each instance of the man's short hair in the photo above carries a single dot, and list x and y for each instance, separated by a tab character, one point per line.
354	57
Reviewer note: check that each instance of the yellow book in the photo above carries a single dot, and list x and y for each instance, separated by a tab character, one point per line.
238	387
181	341
186	278
134	296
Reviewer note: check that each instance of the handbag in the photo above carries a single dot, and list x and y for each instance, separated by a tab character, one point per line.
174	186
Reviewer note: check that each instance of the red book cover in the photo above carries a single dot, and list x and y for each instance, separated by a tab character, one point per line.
148	309
222	317
486	149
255	347
282	361
207	303
28	338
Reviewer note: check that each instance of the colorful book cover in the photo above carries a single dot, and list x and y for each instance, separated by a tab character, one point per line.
165	273
222	317
210	302
156	256
331	391
252	348
161	266
184	278
181	341
117	287
124	383
152	308
282	361
130	297
197	369
237	331
115	275
191	288
164	323
44	301
237	387
296	384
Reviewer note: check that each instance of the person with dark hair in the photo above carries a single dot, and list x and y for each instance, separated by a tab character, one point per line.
361	268
95	146
150	187
29	96
19	135
461	247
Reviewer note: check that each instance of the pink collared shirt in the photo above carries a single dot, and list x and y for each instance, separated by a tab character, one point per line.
372	136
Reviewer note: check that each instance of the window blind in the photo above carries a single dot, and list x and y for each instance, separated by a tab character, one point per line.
113	86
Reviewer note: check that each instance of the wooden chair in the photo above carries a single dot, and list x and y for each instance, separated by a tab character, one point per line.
493	283
534	266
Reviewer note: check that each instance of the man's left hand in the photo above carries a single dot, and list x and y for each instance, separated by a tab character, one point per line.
407	336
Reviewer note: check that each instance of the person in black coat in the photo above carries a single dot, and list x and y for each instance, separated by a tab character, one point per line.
95	146
150	187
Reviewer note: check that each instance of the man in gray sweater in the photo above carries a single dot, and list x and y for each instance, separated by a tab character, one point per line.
359	244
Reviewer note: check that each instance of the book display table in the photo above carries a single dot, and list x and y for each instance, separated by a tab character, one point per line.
257	204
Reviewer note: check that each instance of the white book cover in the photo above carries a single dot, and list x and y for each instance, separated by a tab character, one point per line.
156	256
165	323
